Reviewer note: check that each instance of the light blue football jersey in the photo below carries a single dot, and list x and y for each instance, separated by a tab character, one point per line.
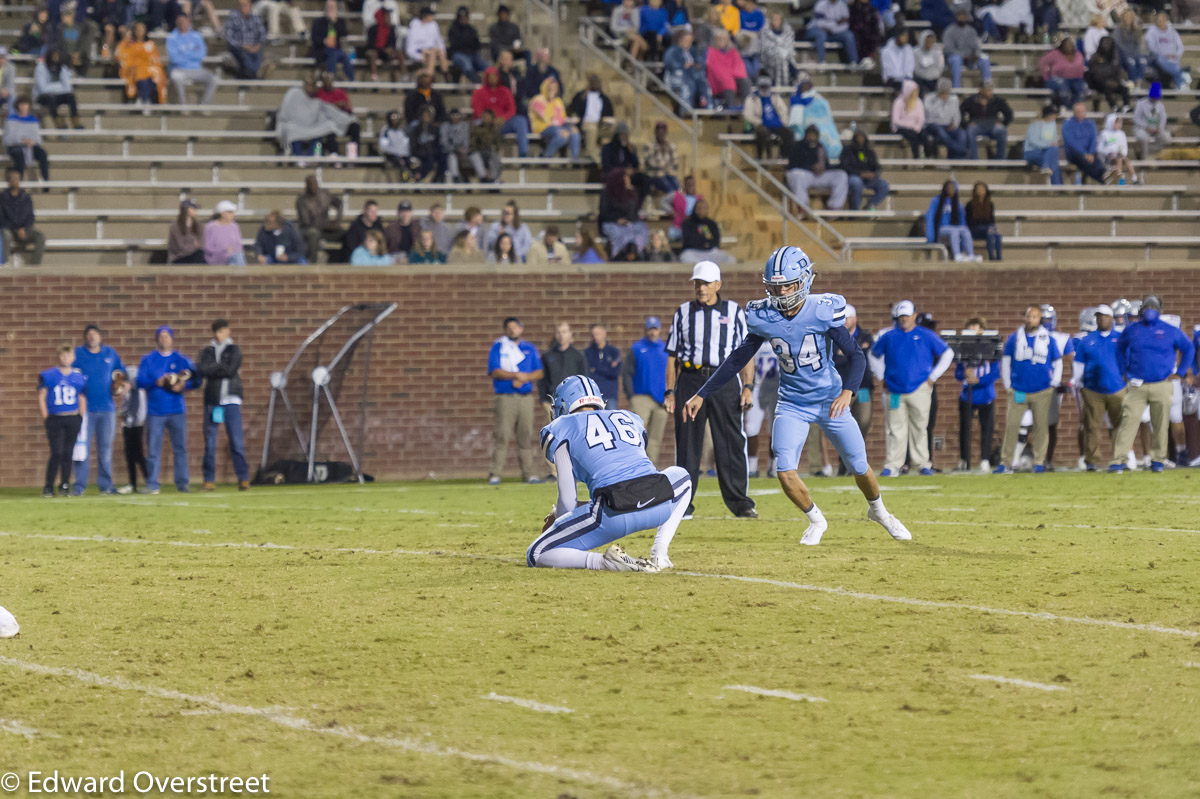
606	447
806	372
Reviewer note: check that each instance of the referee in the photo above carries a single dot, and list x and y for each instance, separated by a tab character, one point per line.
703	334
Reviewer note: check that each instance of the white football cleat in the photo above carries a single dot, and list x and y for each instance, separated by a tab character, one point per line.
661	562
894	526
618	560
816	529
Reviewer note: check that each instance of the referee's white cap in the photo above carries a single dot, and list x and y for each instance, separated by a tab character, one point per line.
707	271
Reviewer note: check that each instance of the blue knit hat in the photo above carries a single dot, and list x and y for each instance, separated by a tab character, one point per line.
1156	91
162	328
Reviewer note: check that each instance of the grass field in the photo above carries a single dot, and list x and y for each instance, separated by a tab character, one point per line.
352	641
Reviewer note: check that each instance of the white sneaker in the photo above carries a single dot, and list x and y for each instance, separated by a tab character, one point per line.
827	470
985	467
814	531
962	466
960	258
890	523
619	560
125	489
661	562
1081	464
1146	461
1131	462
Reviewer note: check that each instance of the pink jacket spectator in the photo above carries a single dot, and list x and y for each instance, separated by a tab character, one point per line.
906	114
1056	65
724	69
681	207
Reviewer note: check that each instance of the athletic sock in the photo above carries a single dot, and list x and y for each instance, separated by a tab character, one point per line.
814	513
666	530
753	463
877	505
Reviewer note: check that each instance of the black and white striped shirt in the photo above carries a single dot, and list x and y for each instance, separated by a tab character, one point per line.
704	335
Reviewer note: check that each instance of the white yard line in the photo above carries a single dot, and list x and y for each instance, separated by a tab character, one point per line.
750	689
528	704
13	727
1056	525
1041	686
279	718
954	510
1191	665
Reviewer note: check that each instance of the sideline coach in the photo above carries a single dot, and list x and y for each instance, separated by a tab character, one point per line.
703	334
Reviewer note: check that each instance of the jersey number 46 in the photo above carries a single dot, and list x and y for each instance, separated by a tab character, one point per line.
809	355
600	434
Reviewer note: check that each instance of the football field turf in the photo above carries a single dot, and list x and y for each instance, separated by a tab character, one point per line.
1039	637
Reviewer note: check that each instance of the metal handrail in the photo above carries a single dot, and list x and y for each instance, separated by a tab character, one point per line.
729	153
589	33
551	10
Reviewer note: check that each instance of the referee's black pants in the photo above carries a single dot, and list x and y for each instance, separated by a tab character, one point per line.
722	410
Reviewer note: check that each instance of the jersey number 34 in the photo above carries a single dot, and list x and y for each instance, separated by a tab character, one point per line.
601	435
809	355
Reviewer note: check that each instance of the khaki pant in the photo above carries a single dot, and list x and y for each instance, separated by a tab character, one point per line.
1038	404
595	135
514	414
1158	396
906	428
654	417
1095	405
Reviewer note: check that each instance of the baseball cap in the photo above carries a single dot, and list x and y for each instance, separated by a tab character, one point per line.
188	204
1104	309
1156	91
851	310
90	328
226	205
903	308
621	128
707	271
162	328
652	322
404	205
764	82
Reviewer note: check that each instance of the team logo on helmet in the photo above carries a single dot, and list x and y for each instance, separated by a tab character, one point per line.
785	266
575	392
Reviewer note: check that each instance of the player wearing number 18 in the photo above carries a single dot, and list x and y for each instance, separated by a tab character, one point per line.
802	330
63	403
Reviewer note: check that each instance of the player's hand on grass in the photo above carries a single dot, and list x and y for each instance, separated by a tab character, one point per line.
840	405
692	408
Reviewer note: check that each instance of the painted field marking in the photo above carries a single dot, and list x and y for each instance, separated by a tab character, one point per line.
750	689
1191	665
528	704
1041	686
1057	526
954	510
299	724
14	727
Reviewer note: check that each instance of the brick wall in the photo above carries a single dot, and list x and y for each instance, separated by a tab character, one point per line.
430	398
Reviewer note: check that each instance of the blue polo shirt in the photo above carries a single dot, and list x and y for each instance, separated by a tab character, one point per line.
1028	376
530	363
650	368
908	358
98	367
1146	351
1098	353
161	401
983	392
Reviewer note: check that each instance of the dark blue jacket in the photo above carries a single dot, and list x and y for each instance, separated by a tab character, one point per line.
1079	138
604	366
646	369
1146	351
1097	352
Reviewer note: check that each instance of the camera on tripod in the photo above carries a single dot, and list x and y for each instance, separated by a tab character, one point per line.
973	349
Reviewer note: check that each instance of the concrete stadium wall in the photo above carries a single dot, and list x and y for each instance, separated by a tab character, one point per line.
431	401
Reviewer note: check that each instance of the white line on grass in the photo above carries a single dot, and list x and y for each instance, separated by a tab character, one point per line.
836	591
281	719
1056	525
528	704
1041	686
1191	665
14	727
750	689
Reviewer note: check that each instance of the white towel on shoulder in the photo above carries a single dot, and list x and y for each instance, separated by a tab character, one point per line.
511	355
1040	351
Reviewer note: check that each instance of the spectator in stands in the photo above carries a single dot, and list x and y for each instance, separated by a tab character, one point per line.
1166	50
1079	137
1031	369
1062	69
356	233
620	217
943	125
729	15
767	113
303	120
141	68
548	121
35	33
661	160
17	231
1095	31
618	154
328	34
425	251
588	250
371	8
381	46
425	138
1006	14
223	238
424	45
278	242
1131	45
897	61
680	206
510	223
505	35
810	108
946	222
402	232
499	100
1041	145
938	14
8	83
989	116
23	140
464	250
246	38
1113	147
659	251
186	51
777	50
701	238
867	27
372	251
1150	122
727	77
963	49
472	224
396	148
809	167
981	221
464	47
273	10
594	110
75	39
185	240
652	28
748	38
202	12
861	166
1106	76
455	143
685	71
484	152
929	62
831	20
978	395
536	75
908	117
52	88
548	249
502	252
319	213
435	223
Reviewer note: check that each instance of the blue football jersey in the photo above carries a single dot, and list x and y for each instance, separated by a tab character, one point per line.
606	447
806	372
62	390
